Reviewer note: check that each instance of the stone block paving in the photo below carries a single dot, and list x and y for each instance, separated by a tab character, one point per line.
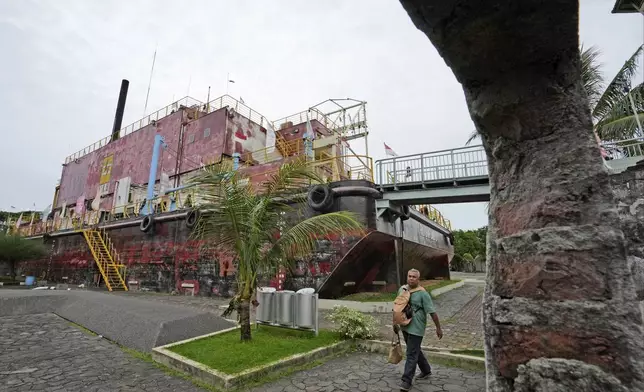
370	372
464	330
44	352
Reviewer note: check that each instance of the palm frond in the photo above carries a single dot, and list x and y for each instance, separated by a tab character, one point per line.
474	135
591	74
291	176
614	93
620	122
300	240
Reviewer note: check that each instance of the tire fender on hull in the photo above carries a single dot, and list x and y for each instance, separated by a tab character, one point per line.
147	223
405	212
320	198
192	218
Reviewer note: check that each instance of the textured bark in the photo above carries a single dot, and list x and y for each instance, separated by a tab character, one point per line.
560	307
244	319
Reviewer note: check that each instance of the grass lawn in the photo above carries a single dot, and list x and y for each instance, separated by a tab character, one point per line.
389	297
226	353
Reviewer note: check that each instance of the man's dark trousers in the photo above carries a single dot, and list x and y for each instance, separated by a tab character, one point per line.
414	357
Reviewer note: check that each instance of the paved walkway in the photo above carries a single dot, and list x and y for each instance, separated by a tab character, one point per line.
44	352
459	311
370	372
461	331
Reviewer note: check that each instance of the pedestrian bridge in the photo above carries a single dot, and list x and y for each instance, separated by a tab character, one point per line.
460	175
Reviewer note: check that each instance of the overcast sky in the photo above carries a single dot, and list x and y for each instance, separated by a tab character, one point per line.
63	60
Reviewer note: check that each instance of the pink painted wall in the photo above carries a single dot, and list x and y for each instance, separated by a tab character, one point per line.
201	145
204	141
132	155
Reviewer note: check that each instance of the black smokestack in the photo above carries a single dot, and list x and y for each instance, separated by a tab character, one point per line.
120	107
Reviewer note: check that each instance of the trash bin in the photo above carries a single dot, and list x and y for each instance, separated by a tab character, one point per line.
305	309
266	308
285	307
30	280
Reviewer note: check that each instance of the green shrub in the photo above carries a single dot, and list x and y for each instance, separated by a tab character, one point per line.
352	324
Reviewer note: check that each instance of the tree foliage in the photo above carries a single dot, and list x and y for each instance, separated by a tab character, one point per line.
469	248
262	225
15	248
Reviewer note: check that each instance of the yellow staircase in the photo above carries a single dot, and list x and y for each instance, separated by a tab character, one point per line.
106	258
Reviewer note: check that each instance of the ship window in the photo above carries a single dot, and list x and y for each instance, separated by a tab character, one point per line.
206	132
191	138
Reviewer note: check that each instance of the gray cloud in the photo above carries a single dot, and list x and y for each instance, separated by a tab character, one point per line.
62	62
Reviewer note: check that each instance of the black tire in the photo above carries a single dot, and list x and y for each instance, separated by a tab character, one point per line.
147	223
192	218
320	198
406	212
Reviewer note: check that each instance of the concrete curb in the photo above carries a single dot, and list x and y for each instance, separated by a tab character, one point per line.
444	289
433	354
163	355
364	307
379	307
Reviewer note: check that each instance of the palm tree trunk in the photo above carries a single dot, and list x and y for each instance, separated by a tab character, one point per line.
244	319
560	311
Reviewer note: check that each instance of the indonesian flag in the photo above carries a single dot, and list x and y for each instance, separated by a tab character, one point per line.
389	151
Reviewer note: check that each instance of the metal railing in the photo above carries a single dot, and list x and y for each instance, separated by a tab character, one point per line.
196	109
350	167
186	102
467	162
301	117
239	107
623	149
433	214
438	166
183	199
283	148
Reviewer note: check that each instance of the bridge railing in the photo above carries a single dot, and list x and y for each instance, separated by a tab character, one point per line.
622	149
437	166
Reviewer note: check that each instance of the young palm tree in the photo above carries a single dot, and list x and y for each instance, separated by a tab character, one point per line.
611	109
610	105
260	224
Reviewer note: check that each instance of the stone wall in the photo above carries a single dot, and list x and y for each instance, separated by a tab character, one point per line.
628	187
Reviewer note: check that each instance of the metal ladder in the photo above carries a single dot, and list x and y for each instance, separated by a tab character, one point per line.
106	258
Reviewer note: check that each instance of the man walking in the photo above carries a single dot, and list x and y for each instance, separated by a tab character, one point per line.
421	305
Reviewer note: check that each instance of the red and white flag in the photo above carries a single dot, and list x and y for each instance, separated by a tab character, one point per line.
389	151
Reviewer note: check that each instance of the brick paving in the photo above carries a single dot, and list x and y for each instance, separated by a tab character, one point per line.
464	330
370	372
44	352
